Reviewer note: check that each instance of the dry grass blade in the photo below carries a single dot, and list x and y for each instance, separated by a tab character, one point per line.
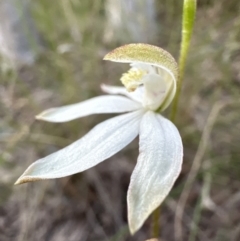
218	106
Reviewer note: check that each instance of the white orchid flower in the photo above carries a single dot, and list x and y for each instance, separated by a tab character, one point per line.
150	87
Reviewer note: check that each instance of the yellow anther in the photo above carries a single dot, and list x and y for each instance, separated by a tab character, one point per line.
133	78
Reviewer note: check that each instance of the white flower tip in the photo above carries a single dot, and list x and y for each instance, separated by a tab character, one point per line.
51	115
38	117
103	87
25	179
135	222
133	228
44	115
30	175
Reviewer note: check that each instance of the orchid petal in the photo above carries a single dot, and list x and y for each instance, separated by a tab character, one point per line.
144	53
154	91
97	105
170	90
136	95
103	141
158	166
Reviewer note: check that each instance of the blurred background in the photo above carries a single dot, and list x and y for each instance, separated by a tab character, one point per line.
51	55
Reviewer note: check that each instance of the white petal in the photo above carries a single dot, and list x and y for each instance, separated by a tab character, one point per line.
155	90
97	105
103	141
136	95
158	166
171	88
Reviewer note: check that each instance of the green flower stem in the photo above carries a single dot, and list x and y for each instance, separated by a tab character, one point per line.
155	223
189	12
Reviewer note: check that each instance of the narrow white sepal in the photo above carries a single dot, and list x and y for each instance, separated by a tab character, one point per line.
103	141
136	95
158	166
97	105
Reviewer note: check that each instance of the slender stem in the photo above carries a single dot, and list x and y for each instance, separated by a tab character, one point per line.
189	12
155	223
